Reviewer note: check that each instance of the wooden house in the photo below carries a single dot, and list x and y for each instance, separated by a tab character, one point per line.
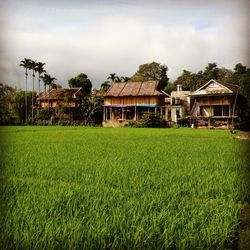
60	97
214	104
126	101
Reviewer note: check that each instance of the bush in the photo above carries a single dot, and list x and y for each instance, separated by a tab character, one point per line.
176	126
152	120
43	114
134	124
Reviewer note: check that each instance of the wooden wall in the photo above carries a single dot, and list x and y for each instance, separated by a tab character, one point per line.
215	100
53	103
134	100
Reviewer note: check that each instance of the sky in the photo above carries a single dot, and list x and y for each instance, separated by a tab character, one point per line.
100	37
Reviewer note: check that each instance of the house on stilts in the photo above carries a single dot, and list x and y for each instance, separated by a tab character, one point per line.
214	104
125	101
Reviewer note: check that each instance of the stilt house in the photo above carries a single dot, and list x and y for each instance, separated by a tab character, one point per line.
214	104
126	101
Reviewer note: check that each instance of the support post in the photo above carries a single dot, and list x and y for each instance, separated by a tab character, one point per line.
122	113
135	117
111	116
104	110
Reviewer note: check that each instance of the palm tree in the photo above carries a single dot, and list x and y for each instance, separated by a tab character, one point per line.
39	69
125	78
48	81
26	64
112	77
105	86
32	65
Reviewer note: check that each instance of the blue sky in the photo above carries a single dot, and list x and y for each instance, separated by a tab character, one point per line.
102	37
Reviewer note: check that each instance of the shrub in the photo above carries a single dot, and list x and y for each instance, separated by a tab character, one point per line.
43	114
152	120
134	124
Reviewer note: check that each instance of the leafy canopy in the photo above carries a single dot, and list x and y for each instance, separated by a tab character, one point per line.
152	71
81	80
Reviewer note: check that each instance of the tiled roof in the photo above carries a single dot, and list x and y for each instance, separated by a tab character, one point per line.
60	94
148	88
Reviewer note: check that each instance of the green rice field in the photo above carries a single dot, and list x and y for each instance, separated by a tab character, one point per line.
104	188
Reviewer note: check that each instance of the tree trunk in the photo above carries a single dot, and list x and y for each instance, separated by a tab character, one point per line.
32	110
26	102
48	99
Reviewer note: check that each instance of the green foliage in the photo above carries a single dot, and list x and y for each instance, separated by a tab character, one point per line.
190	81
211	72
97	188
152	71
113	77
151	120
104	87
91	110
43	114
82	81
12	105
170	87
48	80
135	124
125	78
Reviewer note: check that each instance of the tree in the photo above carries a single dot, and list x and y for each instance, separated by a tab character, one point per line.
164	78
82	81
152	71
12	105
39	69
91	109
125	78
190	81
104	87
48	81
112	77
211	72
226	76
32	66
26	64
239	69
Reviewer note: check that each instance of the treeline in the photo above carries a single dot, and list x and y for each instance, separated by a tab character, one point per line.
18	106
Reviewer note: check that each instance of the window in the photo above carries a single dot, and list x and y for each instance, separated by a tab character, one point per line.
218	110
226	110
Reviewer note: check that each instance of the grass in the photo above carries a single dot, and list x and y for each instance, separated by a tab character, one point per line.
97	188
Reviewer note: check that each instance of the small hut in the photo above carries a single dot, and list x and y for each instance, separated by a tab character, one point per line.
126	101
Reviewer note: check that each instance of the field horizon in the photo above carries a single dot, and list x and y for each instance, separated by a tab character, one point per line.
126	188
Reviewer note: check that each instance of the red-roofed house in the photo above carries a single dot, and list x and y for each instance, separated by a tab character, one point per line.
63	97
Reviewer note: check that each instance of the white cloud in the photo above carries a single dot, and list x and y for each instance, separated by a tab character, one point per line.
99	41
